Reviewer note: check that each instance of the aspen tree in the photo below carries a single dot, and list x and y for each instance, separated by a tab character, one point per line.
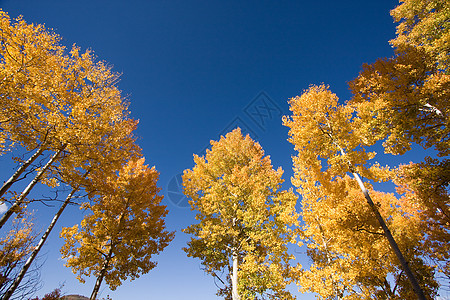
403	100
245	219
328	148
125	228
68	105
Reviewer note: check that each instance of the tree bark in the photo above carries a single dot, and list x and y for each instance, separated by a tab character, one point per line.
234	276
19	171
387	233
102	274
106	262
27	190
405	266
433	109
36	250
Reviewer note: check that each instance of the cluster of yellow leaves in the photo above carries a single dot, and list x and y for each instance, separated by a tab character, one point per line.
351	258
241	208
14	249
424	186
28	55
403	100
51	100
69	104
126	227
424	24
327	143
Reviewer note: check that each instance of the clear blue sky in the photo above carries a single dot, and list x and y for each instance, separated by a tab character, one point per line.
194	69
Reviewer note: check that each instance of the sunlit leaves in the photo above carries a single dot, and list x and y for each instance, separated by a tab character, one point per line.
126	227
68	105
241	208
424	187
327	143
14	249
351	258
403	100
424	24
53	101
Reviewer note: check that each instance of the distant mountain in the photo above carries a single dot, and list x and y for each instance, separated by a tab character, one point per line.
75	297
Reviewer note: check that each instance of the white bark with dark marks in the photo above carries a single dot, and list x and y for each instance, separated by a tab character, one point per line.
38	247
19	171
234	276
30	186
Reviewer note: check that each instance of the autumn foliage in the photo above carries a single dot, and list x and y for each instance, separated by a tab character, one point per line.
65	124
126	227
399	101
245	219
64	107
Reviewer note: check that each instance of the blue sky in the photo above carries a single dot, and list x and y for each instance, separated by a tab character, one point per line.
191	71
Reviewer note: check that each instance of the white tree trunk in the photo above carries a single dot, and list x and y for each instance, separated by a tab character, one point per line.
36	250
234	277
430	108
27	190
387	233
20	170
102	274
